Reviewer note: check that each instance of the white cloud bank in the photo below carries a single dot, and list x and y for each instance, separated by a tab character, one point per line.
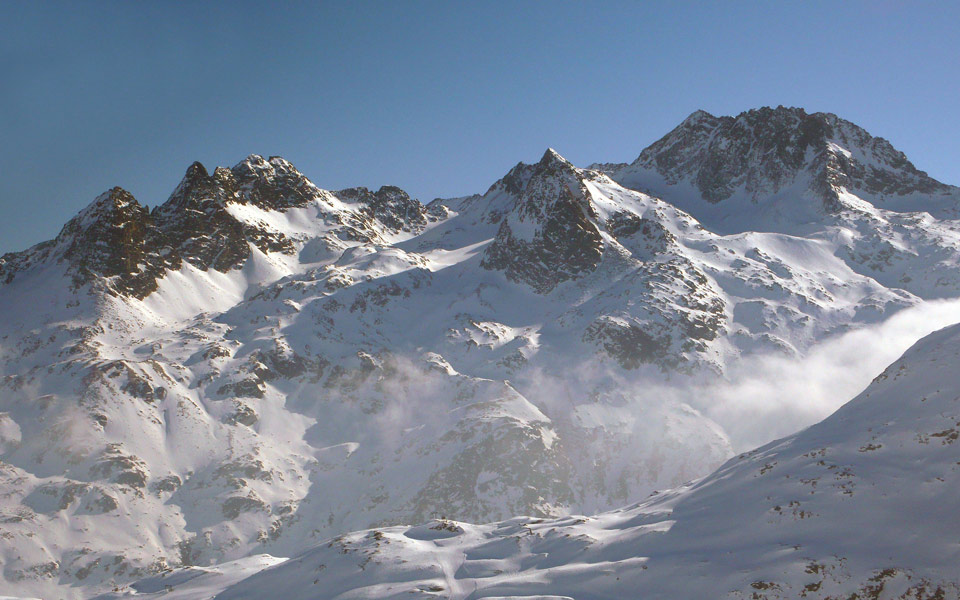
768	398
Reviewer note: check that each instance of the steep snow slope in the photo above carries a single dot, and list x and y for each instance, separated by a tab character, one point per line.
258	364
861	505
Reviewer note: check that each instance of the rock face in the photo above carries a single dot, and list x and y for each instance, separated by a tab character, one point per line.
860	505
389	205
272	184
114	238
550	236
258	364
113	242
762	151
118	240
197	225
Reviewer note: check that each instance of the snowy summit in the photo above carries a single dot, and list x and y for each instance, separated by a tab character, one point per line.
206	398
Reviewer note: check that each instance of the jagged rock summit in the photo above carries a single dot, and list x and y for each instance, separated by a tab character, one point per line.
762	155
258	364
551	234
764	148
118	245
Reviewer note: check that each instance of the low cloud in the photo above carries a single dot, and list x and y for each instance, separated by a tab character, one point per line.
761	398
768	398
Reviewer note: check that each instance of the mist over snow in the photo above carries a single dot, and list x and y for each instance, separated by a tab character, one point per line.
860	505
260	365
764	398
756	400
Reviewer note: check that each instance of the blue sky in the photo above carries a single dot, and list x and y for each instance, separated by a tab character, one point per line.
438	98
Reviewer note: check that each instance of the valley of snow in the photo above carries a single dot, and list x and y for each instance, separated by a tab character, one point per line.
259	365
861	505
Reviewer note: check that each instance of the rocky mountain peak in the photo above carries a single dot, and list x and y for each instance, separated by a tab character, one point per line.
515	181
112	243
113	208
550	235
552	159
762	151
195	190
390	206
221	409
553	181
111	240
699	124
273	184
699	116
200	224
196	224
196	171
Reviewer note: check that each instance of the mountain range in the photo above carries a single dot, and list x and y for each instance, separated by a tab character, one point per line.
258	367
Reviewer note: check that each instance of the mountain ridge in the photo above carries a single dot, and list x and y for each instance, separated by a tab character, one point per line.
259	364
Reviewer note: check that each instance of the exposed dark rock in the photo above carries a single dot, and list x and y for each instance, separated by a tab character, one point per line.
245	467
764	150
509	453
170	483
120	467
110	242
560	240
60	496
271	185
122	248
197	226
390	206
243	414
233	507
251	387
655	238
631	344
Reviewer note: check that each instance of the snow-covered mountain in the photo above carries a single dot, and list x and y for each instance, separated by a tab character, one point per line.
258	364
807	174
861	505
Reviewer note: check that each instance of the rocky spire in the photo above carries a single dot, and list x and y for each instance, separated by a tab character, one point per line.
550	235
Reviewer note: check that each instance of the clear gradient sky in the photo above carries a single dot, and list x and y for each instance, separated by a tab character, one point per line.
440	98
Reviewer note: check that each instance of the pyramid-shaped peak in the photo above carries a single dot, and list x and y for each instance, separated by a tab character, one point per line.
105	237
115	205
552	158
116	197
196	170
515	181
196	184
697	117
